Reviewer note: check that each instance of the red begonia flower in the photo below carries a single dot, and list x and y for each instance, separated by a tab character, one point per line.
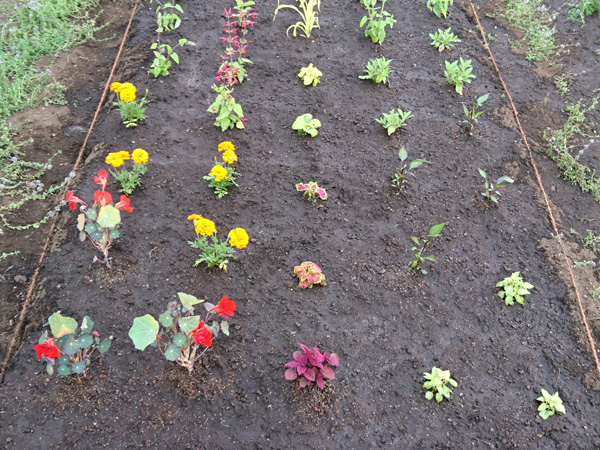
47	350
124	204
101	178
225	307
104	198
202	335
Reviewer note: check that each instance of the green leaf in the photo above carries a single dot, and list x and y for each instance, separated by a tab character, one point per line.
85	340
64	360
61	325
188	301
109	216
78	368
175	57
225	327
435	230
402	154
80	221
87	325
143	331
115	234
64	370
180	340
91	213
172	352
71	347
166	319
187	324
49	369
104	346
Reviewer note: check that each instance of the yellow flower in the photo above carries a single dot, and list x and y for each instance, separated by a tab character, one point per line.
229	156
116	87
140	156
205	227
219	172
114	159
238	238
127	93
123	155
195	217
224	146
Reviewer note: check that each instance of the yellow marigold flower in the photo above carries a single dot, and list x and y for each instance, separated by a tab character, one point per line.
116	87
238	238
195	217
205	227
219	172
140	156
229	156
124	155
224	146
127	94
114	159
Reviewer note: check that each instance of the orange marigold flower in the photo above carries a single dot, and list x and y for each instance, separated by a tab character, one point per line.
195	217
224	146
127	93
140	156
205	227
116	87
238	238
219	172
124	155
114	159
229	156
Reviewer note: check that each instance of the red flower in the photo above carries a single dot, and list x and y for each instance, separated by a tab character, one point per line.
202	335
225	307
47	350
73	200
124	204
101	178
104	198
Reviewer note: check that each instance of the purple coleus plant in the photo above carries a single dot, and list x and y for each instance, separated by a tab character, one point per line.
309	274
311	366
312	191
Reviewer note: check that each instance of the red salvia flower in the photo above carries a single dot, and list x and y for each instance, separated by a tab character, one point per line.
104	198
225	307
47	350
101	178
202	335
124	204
72	200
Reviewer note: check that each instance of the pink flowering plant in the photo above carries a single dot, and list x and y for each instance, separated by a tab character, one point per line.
312	366
309	274
99	222
180	334
71	347
312	191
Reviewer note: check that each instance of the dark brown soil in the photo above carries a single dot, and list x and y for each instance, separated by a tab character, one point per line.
387	324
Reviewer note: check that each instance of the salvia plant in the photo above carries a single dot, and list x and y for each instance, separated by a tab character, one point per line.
421	245
132	111
167	18
179	334
394	120
309	274
99	223
229	112
128	179
492	193
436	383
400	180
312	191
439	7
443	39
378	70
305	124
223	175
70	349
513	288
458	73
215	253
164	56
472	115
550	404
376	20
310	75
311	365
309	13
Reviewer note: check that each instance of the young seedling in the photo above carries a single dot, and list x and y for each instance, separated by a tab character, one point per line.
164	56
437	384
421	246
312	191
458	73
472	115
443	39
394	120
439	7
376	21
377	70
311	366
491	193
308	14
305	124
168	21
550	404
310	75
309	274
513	289
400	180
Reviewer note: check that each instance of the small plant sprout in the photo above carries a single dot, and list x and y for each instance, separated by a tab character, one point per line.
513	288
132	111
458	73
439	7
166	18
437	384
164	56
421	246
178	333
312	191
376	20
309	274
394	120
472	115
400	180
311	366
308	10
305	124
443	39
550	404
377	70
73	345
229	112
128	179
223	175
491	193
310	75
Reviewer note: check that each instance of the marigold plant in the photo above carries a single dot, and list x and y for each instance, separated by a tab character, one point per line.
178	333
223	175
132	111
129	179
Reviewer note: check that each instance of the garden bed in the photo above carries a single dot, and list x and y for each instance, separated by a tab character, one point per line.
387	324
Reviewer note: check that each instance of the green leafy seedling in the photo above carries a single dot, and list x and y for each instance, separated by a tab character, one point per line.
305	124
550	404
458	73
437	384
421	246
308	11
443	39
394	120
310	75
491	192
439	7
378	70
472	115
400	180
513	289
